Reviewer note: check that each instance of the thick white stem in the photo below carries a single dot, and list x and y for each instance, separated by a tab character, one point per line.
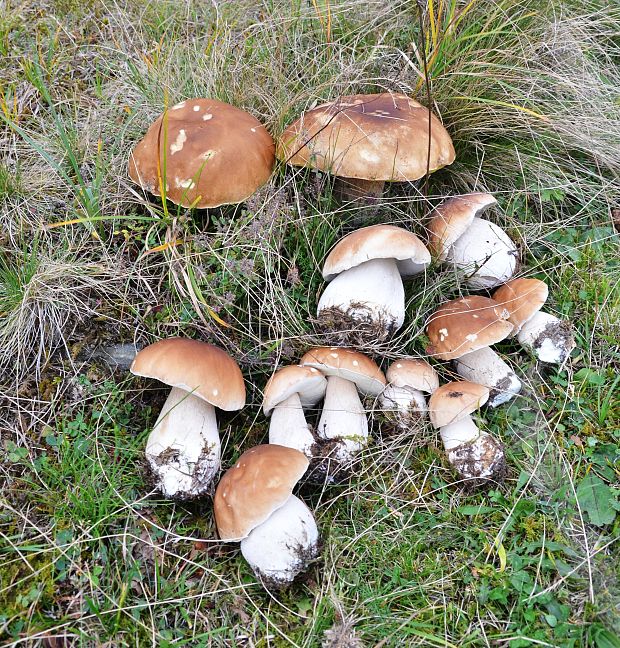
373	289
549	338
402	399
183	450
289	428
486	368
283	545
458	433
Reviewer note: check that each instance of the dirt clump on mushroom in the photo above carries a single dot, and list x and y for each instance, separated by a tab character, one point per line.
480	461
349	328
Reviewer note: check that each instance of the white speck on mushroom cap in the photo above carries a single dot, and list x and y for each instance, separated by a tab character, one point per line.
196	108
398	365
215	392
333	355
178	106
207	117
444	331
178	143
475	316
207	155
253	130
472	337
313	370
185	184
355	363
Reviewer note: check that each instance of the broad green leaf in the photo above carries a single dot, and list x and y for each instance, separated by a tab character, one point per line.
596	499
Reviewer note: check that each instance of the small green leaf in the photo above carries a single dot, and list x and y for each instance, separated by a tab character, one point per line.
475	510
596	499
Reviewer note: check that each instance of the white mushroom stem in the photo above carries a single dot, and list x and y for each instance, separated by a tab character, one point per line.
549	337
183	450
486	368
289	427
402	399
373	289
460	432
343	417
487	251
282	546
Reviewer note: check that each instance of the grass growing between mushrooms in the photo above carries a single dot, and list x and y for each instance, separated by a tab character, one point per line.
90	555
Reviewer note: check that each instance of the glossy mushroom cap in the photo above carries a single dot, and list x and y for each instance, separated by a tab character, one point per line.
522	298
259	483
368	137
466	324
197	367
455	401
308	382
413	373
209	153
348	365
377	242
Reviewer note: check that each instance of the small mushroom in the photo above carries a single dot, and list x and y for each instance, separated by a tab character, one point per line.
549	338
367	140
475	455
254	504
364	270
476	246
287	392
183	449
203	153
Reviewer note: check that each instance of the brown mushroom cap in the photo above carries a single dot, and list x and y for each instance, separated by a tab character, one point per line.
197	367
522	298
466	324
414	373
349	365
215	154
308	382
369	137
259	483
456	400
450	219
376	242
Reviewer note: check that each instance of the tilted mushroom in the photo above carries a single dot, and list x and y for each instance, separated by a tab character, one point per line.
462	330
343	418
203	153
287	392
367	140
476	246
183	449
254	504
408	380
364	270
475	455
549	338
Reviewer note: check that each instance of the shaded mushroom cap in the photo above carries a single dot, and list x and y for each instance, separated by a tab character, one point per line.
449	220
197	367
259	483
466	324
522	298
308	382
377	242
414	373
349	365
456	400
369	137
210	153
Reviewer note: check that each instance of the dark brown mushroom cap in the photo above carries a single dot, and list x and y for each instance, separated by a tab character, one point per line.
259	483
456	400
522	298
197	367
466	324
369	137
211	154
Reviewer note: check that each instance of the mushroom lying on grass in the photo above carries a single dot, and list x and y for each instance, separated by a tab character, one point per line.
183	449
254	504
476	456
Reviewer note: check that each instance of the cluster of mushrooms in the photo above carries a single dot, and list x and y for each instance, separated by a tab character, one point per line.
203	153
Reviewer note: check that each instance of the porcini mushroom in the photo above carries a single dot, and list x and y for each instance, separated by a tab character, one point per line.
183	449
475	455
254	504
367	140
343	418
203	153
287	392
462	330
364	270
549	338
481	249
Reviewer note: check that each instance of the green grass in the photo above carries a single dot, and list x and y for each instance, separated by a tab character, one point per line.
89	554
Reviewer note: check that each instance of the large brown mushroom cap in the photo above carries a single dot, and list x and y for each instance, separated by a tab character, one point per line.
456	400
197	367
414	373
466	324
377	242
370	137
522	298
308	382
259	483
210	152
